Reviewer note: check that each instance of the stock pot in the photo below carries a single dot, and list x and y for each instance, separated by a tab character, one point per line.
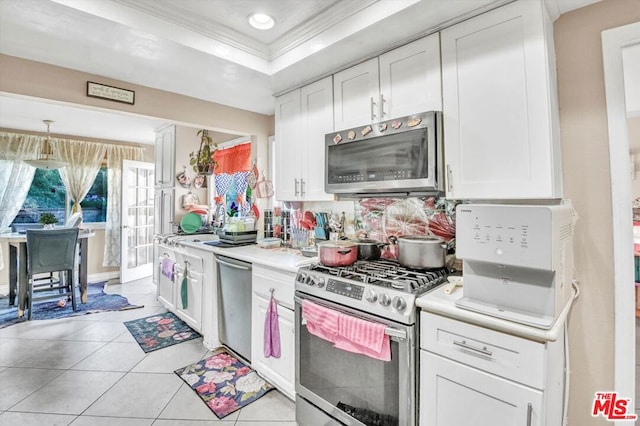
421	251
337	253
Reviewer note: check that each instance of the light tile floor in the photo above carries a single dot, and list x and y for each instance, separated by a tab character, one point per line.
88	370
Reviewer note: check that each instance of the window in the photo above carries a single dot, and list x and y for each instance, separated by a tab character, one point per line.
47	194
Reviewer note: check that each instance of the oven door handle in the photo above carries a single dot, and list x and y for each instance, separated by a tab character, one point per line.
389	331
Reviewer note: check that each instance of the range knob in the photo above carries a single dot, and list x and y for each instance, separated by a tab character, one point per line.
371	296
318	281
399	303
385	299
303	277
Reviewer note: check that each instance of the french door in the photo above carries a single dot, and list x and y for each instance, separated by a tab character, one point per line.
137	220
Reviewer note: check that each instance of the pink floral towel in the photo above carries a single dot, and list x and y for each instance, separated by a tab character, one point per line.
272	330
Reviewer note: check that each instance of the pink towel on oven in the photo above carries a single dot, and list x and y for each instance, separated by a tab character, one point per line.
363	337
167	268
321	322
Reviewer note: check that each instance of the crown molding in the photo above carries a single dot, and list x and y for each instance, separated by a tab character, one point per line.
215	31
323	21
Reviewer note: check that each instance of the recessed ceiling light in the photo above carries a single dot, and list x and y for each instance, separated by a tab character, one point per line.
261	21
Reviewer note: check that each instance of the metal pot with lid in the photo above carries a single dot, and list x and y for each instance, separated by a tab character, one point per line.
337	253
420	251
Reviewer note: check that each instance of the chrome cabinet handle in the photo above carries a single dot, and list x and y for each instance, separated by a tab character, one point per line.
465	345
449	178
529	412
302	183
296	188
382	101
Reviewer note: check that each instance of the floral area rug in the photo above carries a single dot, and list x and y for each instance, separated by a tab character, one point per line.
97	301
159	331
224	383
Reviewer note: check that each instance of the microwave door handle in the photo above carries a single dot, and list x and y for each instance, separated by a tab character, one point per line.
373	114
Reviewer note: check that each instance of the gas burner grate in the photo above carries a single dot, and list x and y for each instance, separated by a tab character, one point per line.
388	273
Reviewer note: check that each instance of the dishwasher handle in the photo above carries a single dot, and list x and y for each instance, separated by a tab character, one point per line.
232	265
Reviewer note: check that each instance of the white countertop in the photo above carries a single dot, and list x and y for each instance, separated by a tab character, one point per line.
275	258
438	302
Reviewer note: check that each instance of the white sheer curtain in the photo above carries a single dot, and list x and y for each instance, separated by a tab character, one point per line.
115	156
15	175
85	159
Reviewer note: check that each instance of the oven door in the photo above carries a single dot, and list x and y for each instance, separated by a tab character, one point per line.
352	388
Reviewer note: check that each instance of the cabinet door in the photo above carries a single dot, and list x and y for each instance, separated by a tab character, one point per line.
498	110
280	371
410	79
163	202
165	157
452	394
356	95
317	120
192	312
289	146
166	287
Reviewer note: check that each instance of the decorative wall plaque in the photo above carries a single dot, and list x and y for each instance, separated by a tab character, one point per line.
102	91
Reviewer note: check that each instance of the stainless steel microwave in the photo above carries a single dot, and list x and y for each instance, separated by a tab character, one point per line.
399	157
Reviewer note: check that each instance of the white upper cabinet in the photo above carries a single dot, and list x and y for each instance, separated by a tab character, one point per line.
289	146
403	81
500	109
165	157
303	117
356	94
410	79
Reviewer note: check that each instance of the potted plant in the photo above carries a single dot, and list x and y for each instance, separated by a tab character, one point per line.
48	220
202	160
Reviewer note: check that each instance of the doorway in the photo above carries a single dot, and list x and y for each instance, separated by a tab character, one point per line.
137	220
614	42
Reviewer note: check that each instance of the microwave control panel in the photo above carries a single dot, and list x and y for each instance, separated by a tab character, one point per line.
518	235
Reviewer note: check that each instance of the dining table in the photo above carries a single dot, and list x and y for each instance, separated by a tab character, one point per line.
18	266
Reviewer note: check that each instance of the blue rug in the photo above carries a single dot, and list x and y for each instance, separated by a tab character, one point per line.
97	301
159	331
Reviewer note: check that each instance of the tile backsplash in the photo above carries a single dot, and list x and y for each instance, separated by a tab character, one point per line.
379	218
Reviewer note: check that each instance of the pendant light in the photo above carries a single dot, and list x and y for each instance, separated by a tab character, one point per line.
45	158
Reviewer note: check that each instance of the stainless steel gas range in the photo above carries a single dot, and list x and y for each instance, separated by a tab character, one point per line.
334	386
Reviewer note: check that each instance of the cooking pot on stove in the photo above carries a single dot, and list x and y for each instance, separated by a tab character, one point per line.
420	251
337	253
369	249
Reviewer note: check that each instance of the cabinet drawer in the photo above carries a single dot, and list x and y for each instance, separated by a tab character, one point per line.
264	279
194	263
507	356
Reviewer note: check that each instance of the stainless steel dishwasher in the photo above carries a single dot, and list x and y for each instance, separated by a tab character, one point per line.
234	305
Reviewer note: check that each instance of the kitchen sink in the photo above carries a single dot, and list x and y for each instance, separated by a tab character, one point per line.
197	238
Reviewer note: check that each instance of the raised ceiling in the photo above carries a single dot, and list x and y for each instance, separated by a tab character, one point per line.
206	48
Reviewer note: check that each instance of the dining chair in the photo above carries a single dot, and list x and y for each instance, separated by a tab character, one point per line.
51	250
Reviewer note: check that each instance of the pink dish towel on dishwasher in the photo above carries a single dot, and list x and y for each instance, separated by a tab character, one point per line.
272	330
321	322
167	268
363	337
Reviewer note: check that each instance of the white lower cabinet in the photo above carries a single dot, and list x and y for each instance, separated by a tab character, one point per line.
198	273
471	375
280	372
453	394
166	286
